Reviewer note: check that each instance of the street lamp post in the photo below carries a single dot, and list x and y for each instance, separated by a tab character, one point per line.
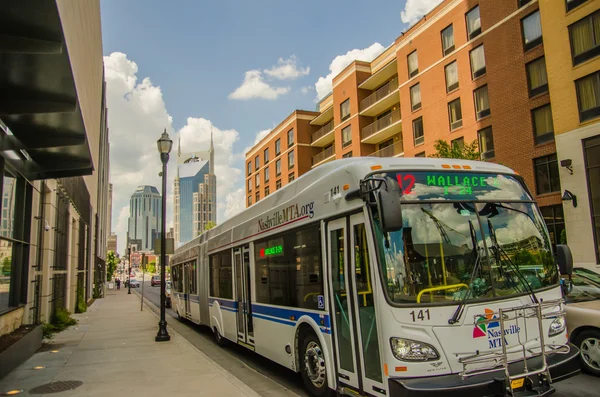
129	274
164	148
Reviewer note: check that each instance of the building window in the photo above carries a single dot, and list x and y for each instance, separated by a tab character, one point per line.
292	274
345	109
458	143
250	184
257	179
585	38
486	143
267	191
347	155
278	167
543	128
291	177
473	23
546	174
591	148
420	154
413	64
537	79
415	97
555	222
451	71
266	174
256	163
266	155
532	30
346	136
418	133
477	62
278	147
257	196
588	96
290	137
249	168
455	114
447	40
291	159
571	4
278	184
482	103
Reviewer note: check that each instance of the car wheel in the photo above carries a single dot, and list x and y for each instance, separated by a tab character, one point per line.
313	366
588	342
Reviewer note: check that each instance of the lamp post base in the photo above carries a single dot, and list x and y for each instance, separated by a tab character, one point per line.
162	335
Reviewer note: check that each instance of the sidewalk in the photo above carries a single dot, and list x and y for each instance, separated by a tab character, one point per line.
112	352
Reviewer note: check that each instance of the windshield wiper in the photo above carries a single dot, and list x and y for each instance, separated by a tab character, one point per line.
499	252
459	310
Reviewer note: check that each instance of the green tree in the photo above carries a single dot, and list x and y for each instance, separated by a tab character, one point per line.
469	151
6	265
563	236
151	267
209	225
111	264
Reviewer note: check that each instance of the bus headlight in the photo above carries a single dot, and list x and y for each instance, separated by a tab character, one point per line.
412	350
557	326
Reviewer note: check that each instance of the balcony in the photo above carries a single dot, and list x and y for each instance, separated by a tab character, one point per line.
383	128
324	156
324	136
394	150
324	117
380	100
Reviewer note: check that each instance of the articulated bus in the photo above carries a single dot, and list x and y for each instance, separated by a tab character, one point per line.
389	277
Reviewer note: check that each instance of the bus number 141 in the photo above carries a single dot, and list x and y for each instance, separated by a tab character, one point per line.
421	314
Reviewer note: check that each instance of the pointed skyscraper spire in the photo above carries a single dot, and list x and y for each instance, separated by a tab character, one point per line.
179	145
211	166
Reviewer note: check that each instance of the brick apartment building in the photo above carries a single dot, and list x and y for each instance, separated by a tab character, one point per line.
469	70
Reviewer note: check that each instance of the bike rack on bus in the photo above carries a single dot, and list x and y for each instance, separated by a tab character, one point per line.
534	344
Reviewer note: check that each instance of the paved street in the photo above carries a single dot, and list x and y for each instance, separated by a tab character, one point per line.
238	357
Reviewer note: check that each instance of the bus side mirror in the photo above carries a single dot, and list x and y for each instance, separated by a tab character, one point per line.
564	258
388	205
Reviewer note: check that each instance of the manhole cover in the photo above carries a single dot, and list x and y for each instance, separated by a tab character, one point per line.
56	387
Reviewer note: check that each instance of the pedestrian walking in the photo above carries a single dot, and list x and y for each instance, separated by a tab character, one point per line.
118	284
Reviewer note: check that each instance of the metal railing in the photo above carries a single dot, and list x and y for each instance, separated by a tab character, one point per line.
378	95
330	151
326	129
390	151
380	124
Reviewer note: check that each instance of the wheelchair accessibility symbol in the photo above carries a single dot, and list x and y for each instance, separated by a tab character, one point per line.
321	301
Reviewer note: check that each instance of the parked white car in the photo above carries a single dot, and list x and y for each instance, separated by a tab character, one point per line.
135	283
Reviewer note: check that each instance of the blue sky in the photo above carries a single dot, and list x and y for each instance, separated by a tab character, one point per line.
197	53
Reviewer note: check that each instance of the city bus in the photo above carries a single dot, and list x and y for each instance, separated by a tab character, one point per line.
389	277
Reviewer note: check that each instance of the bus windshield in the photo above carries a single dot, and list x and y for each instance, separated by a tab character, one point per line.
454	248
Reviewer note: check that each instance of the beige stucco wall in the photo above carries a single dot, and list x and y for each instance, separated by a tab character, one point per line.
11	321
580	237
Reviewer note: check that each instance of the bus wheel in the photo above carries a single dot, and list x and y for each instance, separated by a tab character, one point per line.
220	340
314	371
178	315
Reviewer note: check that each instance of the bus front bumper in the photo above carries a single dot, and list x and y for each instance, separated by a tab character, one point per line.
562	366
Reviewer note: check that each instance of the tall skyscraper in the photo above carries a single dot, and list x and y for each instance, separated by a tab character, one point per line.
195	193
110	198
144	217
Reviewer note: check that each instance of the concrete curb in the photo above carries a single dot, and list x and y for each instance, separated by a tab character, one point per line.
244	388
20	351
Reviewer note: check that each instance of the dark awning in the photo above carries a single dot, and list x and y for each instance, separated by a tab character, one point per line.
46	136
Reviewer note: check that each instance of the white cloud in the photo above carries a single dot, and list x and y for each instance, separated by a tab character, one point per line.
287	69
307	89
415	9
235	202
254	86
261	134
137	117
323	84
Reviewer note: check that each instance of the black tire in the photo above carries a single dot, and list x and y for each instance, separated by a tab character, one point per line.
586	341
313	366
221	341
179	318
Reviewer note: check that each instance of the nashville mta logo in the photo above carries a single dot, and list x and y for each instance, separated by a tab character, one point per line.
486	327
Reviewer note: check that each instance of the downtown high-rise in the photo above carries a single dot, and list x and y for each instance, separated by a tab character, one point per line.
144	218
195	194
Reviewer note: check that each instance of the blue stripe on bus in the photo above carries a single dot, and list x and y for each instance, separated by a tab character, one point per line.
224	303
285	314
286	322
195	298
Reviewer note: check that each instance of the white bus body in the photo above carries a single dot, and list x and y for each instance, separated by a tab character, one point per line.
307	278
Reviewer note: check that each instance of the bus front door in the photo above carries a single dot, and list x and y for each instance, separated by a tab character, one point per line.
187	277
243	293
352	307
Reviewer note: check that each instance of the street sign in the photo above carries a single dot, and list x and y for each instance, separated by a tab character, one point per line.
169	243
